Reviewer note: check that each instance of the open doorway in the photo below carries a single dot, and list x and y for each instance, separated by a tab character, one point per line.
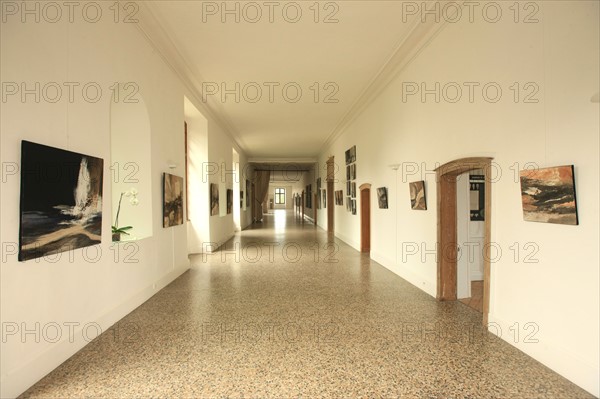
365	217
470	229
448	248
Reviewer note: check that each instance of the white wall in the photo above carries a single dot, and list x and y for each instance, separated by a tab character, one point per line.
220	157
130	149
199	189
559	54
99	284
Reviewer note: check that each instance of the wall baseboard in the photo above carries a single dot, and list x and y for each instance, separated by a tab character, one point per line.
347	240
17	381
404	273
551	354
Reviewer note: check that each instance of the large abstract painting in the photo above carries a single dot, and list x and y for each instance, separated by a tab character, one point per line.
61	201
417	195
548	195
172	200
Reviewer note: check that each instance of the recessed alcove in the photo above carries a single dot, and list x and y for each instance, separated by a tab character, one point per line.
130	163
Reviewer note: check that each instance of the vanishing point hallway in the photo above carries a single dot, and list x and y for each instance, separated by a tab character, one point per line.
284	311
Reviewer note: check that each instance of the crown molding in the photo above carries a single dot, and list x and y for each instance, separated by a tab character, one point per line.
418	37
153	30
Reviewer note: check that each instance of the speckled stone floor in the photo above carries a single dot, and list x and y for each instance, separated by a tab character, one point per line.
286	311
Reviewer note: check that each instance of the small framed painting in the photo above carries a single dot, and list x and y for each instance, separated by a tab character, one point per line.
417	195
172	200
229	201
214	199
382	197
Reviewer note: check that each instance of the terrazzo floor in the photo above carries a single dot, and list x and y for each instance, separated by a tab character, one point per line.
287	311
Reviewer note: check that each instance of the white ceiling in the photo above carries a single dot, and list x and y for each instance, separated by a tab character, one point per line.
350	54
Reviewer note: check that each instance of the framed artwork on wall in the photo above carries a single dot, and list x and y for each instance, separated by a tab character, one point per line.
172	200
229	201
417	195
548	195
61	200
214	199
382	197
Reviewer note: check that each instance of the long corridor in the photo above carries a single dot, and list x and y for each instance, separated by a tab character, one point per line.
284	310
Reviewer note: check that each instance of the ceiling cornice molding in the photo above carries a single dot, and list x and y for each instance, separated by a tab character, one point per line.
417	39
156	35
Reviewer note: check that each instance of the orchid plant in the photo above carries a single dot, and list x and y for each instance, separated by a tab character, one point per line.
132	194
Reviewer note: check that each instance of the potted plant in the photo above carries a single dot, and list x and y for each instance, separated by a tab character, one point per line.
133	200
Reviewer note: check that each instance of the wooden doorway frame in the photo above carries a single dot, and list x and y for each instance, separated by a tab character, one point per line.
252	202
315	207
302	206
446	228
330	194
365	219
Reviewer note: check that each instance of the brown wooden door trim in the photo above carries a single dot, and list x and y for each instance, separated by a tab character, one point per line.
315	210
365	217
330	207
446	227
302	205
330	194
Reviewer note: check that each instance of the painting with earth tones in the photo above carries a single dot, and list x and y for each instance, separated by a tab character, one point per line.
548	195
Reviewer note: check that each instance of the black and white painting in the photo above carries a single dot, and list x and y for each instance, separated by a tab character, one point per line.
382	197
214	199
350	155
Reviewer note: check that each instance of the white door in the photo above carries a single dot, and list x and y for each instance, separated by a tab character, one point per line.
463	281
470	233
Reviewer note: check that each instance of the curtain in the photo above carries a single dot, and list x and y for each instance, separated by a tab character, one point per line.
261	178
